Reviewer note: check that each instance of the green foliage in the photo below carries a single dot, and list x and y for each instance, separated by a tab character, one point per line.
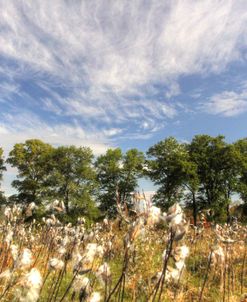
191	184
108	169
2	166
117	172
218	169
64	173
205	173
207	153
241	147
72	177
167	168
131	170
32	160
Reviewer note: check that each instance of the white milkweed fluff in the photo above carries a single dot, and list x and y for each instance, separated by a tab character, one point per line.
14	251
32	206
154	215
9	237
61	251
91	251
33	278
172	275
180	265
6	275
184	251
81	282
32	282
26	258
103	273
181	252
95	297
7	212
218	256
55	264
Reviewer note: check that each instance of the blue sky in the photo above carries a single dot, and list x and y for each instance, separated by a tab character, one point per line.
121	73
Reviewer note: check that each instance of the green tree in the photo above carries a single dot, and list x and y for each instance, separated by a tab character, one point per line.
231	160
168	167
2	169
191	184
132	166
241	147
32	160
217	168
118	172
108	169
73	178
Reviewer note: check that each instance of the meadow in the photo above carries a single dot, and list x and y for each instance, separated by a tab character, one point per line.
141	256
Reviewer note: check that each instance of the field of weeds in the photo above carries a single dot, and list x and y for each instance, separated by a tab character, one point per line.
151	257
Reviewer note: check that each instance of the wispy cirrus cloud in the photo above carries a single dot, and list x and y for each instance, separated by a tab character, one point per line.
227	103
89	72
114	59
22	126
8	90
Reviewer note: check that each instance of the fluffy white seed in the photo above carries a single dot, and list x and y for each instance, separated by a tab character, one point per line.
55	264
95	297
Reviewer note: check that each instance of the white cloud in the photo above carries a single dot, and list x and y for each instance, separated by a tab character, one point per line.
7	90
110	56
112	132
111	63
23	126
169	111
173	90
3	130
227	103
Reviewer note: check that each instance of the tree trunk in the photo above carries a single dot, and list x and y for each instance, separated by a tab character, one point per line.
228	194
228	212
66	202
34	196
194	208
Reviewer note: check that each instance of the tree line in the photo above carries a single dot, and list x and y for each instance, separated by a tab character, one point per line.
204	174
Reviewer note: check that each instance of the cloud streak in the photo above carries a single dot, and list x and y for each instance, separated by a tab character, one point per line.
227	104
22	126
115	58
90	72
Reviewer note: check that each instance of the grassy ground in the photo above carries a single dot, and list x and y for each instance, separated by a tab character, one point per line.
227	282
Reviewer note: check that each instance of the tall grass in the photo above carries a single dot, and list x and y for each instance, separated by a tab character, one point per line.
142	261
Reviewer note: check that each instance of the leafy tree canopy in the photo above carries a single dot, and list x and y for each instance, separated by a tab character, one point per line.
32	160
72	178
117	176
166	167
